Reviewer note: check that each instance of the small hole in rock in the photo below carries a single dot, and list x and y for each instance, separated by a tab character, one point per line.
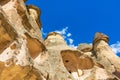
69	71
66	60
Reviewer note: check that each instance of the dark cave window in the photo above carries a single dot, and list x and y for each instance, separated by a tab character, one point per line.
66	60
69	71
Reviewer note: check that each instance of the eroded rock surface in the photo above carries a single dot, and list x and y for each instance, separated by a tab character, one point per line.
24	55
20	42
105	55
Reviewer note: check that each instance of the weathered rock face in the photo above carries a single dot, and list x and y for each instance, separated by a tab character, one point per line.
24	55
53	68
85	47
17	72
20	41
104	54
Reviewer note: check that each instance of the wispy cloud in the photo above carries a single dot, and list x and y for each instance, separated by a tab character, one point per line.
116	47
70	40
63	31
44	34
67	36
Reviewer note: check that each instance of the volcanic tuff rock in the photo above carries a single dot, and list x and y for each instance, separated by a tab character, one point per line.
24	55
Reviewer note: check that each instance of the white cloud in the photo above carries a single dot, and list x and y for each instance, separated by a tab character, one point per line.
70	40
116	47
73	46
67	36
63	31
44	34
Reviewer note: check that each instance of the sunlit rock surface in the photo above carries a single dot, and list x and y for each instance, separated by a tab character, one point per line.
20	42
24	55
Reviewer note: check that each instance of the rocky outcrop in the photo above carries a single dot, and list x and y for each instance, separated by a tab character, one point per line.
55	69
20	42
17	72
24	55
85	47
105	55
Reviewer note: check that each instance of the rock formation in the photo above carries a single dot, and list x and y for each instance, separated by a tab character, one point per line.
24	55
20	42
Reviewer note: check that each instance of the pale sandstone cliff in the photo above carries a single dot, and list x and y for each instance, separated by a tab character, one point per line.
24	55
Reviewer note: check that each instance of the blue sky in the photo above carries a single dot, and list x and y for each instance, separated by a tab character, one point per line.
82	19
